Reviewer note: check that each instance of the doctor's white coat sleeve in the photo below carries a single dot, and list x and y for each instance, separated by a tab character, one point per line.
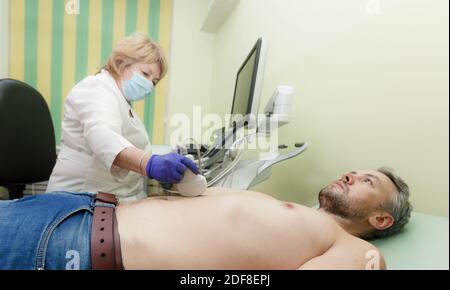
98	111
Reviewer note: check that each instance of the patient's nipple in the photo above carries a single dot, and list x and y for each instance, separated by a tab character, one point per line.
288	205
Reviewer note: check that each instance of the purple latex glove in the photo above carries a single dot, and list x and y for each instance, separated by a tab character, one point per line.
169	168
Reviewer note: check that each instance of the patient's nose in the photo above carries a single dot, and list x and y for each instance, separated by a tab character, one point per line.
348	178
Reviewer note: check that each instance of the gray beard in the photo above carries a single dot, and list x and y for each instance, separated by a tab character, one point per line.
341	205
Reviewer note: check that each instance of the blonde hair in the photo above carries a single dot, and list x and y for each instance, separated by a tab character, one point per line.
137	47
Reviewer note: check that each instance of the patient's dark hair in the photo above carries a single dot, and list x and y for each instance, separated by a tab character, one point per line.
399	207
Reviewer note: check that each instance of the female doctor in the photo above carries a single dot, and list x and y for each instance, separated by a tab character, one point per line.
104	144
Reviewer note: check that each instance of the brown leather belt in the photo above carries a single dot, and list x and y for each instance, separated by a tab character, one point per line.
105	240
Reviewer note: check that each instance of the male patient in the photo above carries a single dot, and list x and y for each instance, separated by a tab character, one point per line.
223	229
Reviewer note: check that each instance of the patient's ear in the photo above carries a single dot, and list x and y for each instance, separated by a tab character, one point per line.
381	220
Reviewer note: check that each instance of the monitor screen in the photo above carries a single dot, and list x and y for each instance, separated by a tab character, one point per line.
248	84
242	94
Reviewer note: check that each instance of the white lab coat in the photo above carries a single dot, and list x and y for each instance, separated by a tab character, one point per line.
98	124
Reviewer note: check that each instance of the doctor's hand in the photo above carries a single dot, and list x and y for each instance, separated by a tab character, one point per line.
169	168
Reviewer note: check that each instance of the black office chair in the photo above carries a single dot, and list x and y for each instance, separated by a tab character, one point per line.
27	137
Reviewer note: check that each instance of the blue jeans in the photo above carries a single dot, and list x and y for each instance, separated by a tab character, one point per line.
48	231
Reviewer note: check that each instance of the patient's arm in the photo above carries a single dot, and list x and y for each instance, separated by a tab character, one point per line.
346	254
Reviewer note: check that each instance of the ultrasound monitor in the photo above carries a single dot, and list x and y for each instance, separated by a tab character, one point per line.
248	87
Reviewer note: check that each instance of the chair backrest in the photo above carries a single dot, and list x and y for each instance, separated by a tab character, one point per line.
27	137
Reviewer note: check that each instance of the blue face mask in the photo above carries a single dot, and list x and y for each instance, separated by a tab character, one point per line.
137	88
